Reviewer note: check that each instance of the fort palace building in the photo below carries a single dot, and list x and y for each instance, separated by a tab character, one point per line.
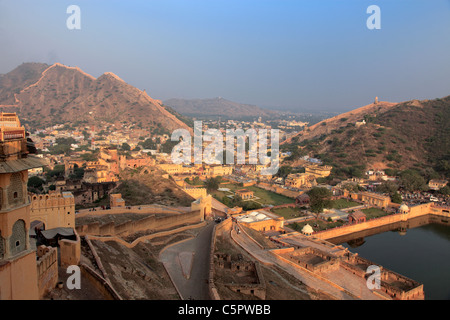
18	272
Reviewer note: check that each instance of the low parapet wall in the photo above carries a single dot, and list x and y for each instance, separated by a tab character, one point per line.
147	237
70	251
353	228
145	209
47	271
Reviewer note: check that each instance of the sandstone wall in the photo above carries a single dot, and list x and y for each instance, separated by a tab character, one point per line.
70	251
148	223
47	270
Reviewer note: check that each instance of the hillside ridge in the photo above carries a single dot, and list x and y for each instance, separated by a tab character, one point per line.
46	95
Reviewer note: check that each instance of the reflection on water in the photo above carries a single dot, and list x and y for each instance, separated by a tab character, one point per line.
418	249
355	243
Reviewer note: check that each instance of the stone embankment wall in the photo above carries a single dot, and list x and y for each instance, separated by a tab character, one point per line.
416	211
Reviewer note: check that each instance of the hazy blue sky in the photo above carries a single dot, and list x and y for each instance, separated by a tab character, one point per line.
295	54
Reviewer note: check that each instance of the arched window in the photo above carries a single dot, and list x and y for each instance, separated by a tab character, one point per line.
18	238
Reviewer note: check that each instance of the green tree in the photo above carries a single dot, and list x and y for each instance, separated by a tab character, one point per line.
167	146
319	199
284	171
89	156
388	187
445	190
78	173
351	187
58	170
250	205
212	184
396	197
126	146
35	183
412	181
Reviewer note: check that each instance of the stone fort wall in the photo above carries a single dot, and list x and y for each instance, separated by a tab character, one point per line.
148	223
134	209
47	269
54	209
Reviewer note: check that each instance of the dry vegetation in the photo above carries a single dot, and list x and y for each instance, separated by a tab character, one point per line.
413	134
140	187
48	95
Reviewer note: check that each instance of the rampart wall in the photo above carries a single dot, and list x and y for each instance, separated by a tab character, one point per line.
147	223
47	270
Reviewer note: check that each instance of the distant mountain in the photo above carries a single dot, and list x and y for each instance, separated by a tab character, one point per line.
45	95
217	107
412	134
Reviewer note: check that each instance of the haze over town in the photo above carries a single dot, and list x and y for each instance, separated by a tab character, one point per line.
296	55
225	150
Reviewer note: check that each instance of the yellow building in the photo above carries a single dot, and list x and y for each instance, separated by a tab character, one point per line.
369	198
96	173
245	194
299	180
196	192
54	210
116	200
437	184
18	270
220	170
261	220
374	199
171	168
204	205
318	171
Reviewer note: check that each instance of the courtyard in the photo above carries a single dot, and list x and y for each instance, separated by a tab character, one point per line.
263	197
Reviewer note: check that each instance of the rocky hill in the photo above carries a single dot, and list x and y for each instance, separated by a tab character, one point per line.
328	125
217	107
44	95
412	134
